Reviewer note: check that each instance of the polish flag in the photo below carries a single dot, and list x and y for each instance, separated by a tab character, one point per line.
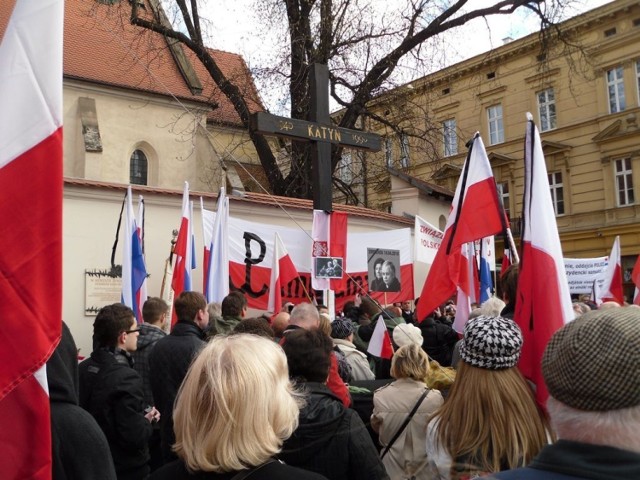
282	272
635	276
611	290
506	261
217	278
467	290
543	300
476	212
329	233
31	240
183	252
134	272
380	344
208	219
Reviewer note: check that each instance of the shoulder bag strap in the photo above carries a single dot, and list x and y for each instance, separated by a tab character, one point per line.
406	422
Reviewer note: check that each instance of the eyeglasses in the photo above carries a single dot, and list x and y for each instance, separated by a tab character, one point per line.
132	331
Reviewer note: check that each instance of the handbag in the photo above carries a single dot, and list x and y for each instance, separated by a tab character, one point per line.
406	422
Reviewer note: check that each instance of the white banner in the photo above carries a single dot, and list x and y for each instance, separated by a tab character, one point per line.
427	240
581	273
251	249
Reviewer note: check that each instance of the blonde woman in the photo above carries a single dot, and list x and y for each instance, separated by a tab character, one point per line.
490	421
404	449
234	410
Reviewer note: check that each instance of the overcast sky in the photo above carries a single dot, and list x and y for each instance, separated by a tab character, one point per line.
236	27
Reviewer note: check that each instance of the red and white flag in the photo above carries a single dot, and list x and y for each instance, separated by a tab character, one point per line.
543	301
216	284
329	233
282	272
183	252
468	287
476	212
380	344
506	261
635	276
31	240
611	290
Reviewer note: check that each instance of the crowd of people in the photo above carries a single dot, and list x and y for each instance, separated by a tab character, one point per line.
296	395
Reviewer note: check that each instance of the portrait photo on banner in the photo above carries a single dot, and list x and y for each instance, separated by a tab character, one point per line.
328	267
384	270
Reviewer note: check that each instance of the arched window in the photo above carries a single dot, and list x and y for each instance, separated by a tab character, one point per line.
138	168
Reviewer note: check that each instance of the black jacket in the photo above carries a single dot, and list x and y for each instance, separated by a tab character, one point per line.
79	447
169	361
567	460
332	440
270	471
149	336
111	391
438	340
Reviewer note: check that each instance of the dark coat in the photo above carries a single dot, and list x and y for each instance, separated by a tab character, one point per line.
111	391
332	440
79	447
567	460
271	471
169	361
149	336
438	340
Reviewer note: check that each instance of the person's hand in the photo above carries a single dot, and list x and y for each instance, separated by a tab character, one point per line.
152	414
357	300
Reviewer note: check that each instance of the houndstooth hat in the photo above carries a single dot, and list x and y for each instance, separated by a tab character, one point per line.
341	327
493	343
593	363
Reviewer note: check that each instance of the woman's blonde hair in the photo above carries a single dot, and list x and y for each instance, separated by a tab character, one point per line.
410	361
325	324
490	421
236	405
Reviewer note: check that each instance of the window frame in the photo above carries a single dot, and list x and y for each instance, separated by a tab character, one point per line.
145	170
547	110
556	187
616	85
505	198
449	137
388	151
497	123
626	176
405	157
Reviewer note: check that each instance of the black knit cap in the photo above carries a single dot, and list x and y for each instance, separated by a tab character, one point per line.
341	328
593	362
493	343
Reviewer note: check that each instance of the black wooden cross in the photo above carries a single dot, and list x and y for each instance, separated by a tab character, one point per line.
320	132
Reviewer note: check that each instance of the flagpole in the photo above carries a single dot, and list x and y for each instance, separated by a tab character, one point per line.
512	245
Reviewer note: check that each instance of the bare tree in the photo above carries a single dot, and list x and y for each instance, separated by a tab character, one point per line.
365	50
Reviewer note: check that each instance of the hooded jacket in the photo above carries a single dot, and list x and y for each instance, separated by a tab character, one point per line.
79	448
332	440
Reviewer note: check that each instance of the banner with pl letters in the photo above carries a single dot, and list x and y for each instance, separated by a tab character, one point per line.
582	272
251	249
427	240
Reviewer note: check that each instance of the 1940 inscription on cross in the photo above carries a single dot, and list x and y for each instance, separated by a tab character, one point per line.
320	132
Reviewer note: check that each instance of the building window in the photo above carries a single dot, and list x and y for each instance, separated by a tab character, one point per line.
624	181
503	193
345	168
388	151
496	130
615	89
449	137
404	150
138	168
547	109
557	193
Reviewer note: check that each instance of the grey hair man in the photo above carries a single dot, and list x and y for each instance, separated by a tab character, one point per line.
592	369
